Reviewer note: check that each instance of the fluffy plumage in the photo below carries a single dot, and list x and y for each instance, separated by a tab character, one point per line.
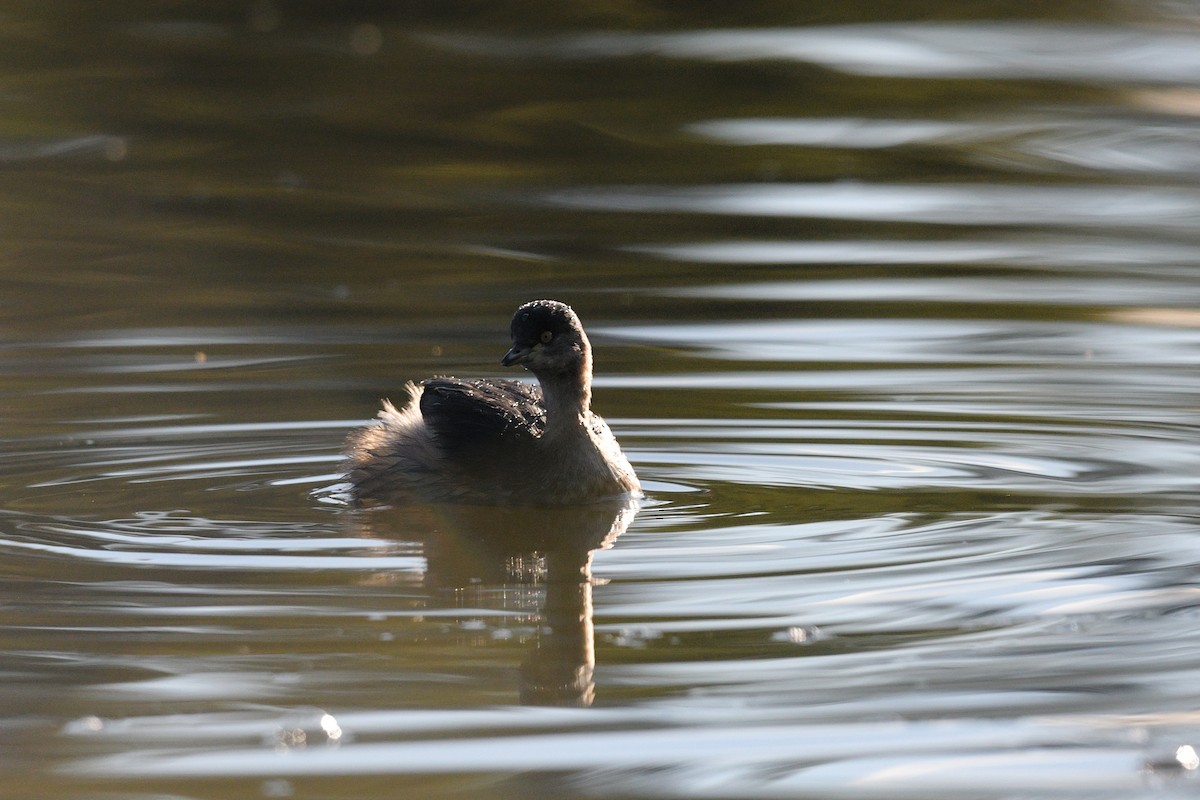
499	441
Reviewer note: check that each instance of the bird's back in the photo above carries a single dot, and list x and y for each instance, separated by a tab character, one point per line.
480	423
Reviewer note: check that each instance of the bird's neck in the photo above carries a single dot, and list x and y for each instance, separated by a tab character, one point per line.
567	398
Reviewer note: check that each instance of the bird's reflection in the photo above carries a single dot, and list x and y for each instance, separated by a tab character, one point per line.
474	549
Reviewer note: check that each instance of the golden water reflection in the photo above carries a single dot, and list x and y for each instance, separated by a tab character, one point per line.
475	554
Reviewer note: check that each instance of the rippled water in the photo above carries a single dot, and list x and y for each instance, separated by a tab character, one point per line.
896	316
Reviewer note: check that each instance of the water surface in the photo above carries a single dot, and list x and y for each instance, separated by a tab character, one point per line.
896	316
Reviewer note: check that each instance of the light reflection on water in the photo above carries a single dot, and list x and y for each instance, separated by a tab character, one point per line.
1156	209
1039	51
1029	251
1104	145
1028	51
896	321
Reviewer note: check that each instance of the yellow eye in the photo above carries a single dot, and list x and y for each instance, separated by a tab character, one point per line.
546	337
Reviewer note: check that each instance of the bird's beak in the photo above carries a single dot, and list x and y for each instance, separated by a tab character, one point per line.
518	354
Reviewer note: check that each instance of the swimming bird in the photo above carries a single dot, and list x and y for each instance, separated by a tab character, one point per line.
495	441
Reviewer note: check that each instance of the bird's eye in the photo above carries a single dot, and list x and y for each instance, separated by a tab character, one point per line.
547	336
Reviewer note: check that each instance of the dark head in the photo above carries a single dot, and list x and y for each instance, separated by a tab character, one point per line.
548	340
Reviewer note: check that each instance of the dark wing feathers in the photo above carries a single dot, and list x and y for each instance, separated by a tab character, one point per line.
473	417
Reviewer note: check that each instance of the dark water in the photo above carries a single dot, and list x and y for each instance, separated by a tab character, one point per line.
896	313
